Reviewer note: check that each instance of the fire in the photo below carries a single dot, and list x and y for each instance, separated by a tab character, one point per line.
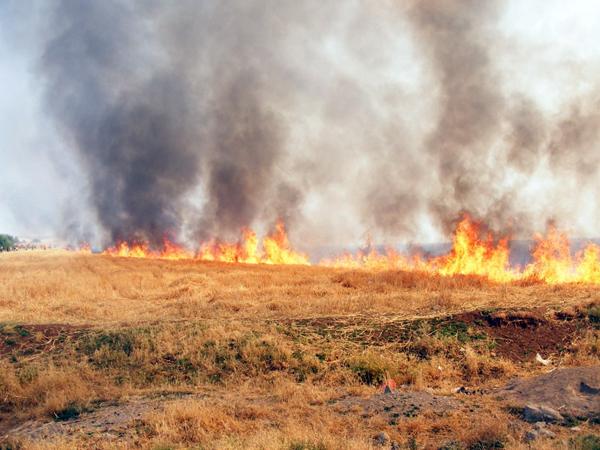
134	250
275	248
371	259
85	247
588	270
477	253
473	252
552	260
470	255
554	263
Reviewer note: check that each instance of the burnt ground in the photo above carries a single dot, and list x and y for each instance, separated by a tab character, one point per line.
515	335
107	420
574	392
399	404
519	336
561	389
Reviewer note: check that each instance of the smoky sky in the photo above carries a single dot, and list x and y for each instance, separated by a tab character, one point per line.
190	119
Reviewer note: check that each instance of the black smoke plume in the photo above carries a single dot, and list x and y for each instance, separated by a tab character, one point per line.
205	117
158	98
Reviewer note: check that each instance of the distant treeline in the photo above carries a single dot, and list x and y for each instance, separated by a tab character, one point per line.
7	242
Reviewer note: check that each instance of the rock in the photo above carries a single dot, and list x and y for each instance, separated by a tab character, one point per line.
468	391
534	413
574	392
531	436
395	446
539	431
381	439
398	404
585	388
546	433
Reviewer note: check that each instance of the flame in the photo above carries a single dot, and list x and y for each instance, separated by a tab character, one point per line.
134	250
473	252
554	263
371	259
276	249
473	255
470	255
552	260
588	270
476	253
85	247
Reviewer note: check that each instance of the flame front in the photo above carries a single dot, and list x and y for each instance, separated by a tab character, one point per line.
475	254
472	253
276	249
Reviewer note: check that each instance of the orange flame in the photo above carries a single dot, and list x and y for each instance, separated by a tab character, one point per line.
472	253
276	249
475	254
552	260
85	247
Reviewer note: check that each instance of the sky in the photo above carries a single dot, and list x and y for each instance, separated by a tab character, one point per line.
543	50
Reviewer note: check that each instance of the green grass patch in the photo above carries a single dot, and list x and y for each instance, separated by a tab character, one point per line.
585	442
70	412
306	445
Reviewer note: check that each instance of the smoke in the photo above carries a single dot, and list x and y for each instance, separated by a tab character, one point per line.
130	127
197	119
457	39
485	137
171	97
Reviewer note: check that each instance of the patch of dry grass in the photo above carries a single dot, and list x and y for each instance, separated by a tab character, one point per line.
63	287
264	350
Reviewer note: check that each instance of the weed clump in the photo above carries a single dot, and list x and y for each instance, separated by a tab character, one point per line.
585	442
305	445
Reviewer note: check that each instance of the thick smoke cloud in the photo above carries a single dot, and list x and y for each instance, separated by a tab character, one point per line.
157	99
131	129
458	41
200	118
483	135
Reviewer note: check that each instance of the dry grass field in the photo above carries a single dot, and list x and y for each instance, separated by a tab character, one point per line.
105	352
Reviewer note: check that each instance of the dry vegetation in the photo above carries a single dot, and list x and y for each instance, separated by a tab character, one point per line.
238	356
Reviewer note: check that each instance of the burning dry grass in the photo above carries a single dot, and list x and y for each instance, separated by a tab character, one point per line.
260	353
63	287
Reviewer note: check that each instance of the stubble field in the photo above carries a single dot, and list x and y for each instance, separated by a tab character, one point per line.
105	352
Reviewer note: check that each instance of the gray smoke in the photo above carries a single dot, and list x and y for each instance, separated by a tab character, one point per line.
484	135
131	128
454	35
159	98
205	117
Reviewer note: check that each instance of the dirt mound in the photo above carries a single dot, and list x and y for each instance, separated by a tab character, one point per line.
573	392
517	335
397	405
520	335
107	420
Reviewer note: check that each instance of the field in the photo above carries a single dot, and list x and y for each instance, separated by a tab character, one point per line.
108	352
